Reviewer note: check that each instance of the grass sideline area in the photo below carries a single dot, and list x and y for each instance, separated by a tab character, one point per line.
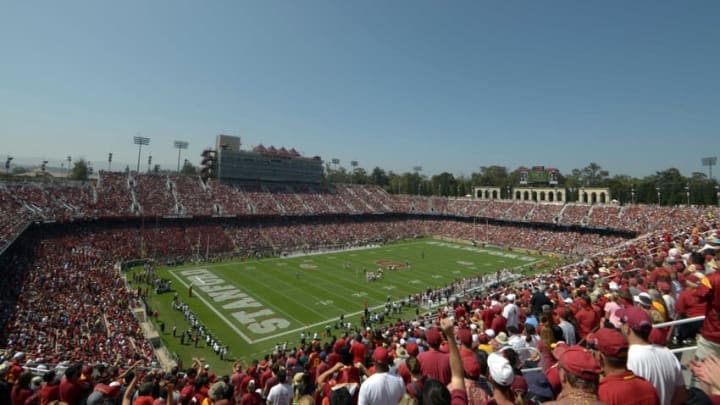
253	305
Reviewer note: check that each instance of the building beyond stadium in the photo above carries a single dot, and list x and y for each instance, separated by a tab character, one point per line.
264	164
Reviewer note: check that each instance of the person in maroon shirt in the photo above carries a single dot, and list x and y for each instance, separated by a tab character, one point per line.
487	315
688	305
434	363
357	349
71	390
499	323
465	337
587	318
21	390
709	293
619	383
51	390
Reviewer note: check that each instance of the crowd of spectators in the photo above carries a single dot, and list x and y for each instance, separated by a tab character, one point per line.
573	214
64	303
604	303
153	193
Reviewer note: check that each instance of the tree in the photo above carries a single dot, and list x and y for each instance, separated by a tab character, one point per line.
188	169
359	176
444	184
80	170
496	176
379	178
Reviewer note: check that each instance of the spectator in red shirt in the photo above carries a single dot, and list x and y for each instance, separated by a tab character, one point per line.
619	383
587	318
357	349
579	376
688	305
71	390
434	363
709	293
21	390
499	323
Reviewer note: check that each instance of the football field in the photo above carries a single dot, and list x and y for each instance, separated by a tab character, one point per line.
253	305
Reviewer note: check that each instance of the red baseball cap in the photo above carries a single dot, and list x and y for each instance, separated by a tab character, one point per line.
610	342
381	355
580	362
636	318
433	337
412	349
465	336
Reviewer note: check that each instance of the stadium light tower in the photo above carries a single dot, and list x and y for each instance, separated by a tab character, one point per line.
140	141
109	161
709	162
180	145
417	170
354	164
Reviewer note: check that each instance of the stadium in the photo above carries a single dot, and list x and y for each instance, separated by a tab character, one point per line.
164	271
359	203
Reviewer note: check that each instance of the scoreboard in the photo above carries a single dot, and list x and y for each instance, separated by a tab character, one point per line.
538	175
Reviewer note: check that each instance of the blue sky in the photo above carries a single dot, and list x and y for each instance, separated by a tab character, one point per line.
631	85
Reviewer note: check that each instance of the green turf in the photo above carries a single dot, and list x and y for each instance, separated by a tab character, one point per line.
259	303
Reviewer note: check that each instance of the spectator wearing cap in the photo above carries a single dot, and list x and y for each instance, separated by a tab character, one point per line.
476	394
403	369
619	383
434	363
434	392
657	364
579	376
382	387
501	377
688	305
465	337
